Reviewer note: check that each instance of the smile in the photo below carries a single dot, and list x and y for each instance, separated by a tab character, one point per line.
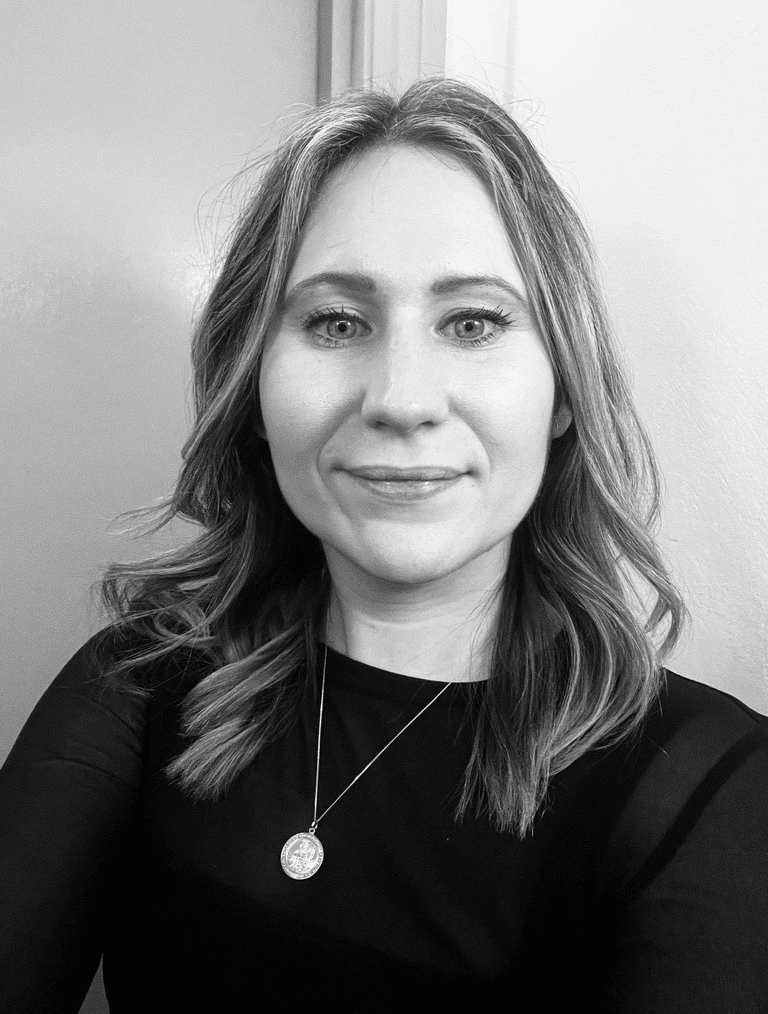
416	473
403	485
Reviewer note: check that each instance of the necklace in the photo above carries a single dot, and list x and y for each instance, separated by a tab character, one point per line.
303	853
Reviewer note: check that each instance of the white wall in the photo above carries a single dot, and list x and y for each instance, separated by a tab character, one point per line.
120	123
654	113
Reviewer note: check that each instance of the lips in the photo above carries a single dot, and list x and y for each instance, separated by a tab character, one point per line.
415	473
400	486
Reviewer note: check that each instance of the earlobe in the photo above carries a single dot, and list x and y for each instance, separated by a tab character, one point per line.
561	420
258	425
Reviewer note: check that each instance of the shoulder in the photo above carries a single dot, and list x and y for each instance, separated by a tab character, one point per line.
164	678
683	701
697	773
693	727
79	715
86	714
694	732
688	729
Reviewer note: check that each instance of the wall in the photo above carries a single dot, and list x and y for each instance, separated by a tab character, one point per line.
653	116
121	123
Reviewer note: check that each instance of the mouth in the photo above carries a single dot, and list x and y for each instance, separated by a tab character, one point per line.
416	473
405	485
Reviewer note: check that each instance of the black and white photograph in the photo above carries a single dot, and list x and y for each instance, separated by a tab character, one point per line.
385	507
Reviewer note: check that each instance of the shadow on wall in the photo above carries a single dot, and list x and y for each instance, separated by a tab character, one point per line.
94	389
704	414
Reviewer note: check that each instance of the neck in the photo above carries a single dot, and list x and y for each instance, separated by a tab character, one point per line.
438	631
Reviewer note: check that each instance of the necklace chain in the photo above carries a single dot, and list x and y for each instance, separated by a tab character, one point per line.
303	853
315	819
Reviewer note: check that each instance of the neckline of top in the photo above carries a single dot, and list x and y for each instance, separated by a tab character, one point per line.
349	674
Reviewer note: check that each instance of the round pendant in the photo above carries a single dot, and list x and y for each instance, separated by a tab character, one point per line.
302	856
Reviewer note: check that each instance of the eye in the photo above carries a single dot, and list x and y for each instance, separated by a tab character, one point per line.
473	326
341	327
469	327
335	327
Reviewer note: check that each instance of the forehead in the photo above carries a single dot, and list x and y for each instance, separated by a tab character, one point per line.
405	214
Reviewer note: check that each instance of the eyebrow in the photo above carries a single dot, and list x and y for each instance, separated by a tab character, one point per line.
364	285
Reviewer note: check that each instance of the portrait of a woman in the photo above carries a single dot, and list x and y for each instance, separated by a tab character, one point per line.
396	715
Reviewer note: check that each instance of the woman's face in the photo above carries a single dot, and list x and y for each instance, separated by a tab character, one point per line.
406	395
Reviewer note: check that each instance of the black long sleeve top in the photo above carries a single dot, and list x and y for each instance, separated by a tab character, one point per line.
643	887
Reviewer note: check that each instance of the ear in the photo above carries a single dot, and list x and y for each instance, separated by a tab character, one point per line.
561	420
258	424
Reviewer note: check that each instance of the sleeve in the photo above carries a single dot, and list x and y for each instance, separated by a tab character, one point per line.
67	792
692	932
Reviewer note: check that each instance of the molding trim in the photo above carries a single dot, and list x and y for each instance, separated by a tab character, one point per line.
383	43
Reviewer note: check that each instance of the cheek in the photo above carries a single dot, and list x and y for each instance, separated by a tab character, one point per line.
292	406
514	413
301	406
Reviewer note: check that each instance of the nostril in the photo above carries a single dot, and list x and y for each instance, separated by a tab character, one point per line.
403	417
406	398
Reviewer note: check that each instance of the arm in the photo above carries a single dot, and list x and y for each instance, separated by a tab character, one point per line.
67	792
692	935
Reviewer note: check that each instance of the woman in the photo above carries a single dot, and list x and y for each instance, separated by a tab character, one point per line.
396	715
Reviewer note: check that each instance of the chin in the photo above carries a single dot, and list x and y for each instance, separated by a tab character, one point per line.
421	557
408	573
409	566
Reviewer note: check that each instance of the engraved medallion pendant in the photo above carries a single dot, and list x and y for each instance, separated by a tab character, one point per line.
302	856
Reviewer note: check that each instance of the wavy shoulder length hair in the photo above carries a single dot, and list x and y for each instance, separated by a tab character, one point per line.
587	610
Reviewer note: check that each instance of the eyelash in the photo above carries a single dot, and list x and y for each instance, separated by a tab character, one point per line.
496	315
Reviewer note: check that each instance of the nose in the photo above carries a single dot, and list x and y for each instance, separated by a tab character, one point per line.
406	385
